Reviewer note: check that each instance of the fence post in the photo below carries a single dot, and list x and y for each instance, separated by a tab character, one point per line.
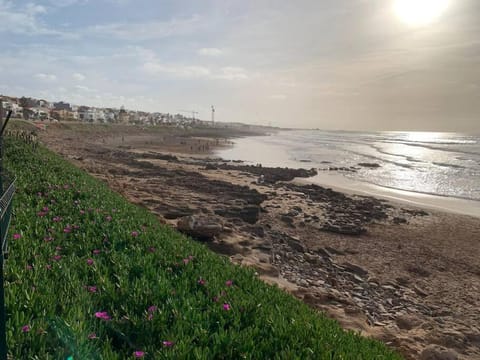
3	320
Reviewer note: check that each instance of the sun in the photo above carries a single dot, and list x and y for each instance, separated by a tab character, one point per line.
419	12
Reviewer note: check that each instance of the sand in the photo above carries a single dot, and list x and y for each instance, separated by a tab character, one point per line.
412	279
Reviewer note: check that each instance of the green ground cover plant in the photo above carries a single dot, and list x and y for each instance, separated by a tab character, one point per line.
91	276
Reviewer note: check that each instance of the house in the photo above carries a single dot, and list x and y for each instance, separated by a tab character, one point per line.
62	106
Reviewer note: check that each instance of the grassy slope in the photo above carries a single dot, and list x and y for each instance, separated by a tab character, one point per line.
47	274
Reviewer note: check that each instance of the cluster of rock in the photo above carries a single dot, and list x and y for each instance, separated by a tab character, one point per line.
344	283
343	214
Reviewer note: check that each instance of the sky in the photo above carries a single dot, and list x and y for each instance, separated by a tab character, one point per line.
329	64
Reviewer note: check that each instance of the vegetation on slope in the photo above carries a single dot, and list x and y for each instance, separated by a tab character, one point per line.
92	276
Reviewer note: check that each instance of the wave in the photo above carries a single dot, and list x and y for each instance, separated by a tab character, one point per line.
449	165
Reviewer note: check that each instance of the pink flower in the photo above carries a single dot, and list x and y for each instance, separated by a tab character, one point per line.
58	248
152	309
41	213
151	249
26	328
108	218
134	233
67	230
186	261
226	307
102	315
201	281
57	219
96	251
167	343
17	236
92	289
57	257
229	283
92	336
215	299
82	212
90	262
48	238
29	267
45	209
139	354
48	266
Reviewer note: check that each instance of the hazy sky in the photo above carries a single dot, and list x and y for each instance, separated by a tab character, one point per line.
336	64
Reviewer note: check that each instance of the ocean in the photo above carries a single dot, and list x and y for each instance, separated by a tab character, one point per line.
439	164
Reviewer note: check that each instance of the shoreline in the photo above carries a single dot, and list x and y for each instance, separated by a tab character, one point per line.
385	270
424	201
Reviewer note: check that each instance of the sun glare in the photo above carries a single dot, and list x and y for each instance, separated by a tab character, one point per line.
419	12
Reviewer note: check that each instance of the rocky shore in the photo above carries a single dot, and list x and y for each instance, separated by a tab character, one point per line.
408	277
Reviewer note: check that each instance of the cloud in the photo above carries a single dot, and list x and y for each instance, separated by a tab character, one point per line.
186	71
45	77
210	52
84	88
148	30
278	97
195	71
65	3
18	19
78	77
232	73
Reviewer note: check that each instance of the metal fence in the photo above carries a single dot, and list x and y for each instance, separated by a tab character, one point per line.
7	190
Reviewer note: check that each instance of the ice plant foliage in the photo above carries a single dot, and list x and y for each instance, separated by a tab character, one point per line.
166	294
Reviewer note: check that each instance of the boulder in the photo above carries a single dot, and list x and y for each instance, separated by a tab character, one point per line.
202	228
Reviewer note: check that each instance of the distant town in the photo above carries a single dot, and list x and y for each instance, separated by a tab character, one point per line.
42	110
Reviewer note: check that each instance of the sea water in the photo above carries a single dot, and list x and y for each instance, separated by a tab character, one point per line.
440	164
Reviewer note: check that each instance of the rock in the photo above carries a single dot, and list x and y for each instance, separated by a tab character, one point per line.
433	352
210	167
419	291
473	338
202	228
369	165
408	322
399	220
248	213
313	259
355	269
345	229
302	282
287	220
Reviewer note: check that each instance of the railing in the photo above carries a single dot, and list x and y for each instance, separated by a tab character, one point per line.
7	190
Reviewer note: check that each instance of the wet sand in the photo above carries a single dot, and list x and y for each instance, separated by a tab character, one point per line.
407	276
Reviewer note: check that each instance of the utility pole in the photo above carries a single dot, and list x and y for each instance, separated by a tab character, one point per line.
213	115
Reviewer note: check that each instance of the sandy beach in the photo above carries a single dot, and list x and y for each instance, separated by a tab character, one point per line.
393	271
